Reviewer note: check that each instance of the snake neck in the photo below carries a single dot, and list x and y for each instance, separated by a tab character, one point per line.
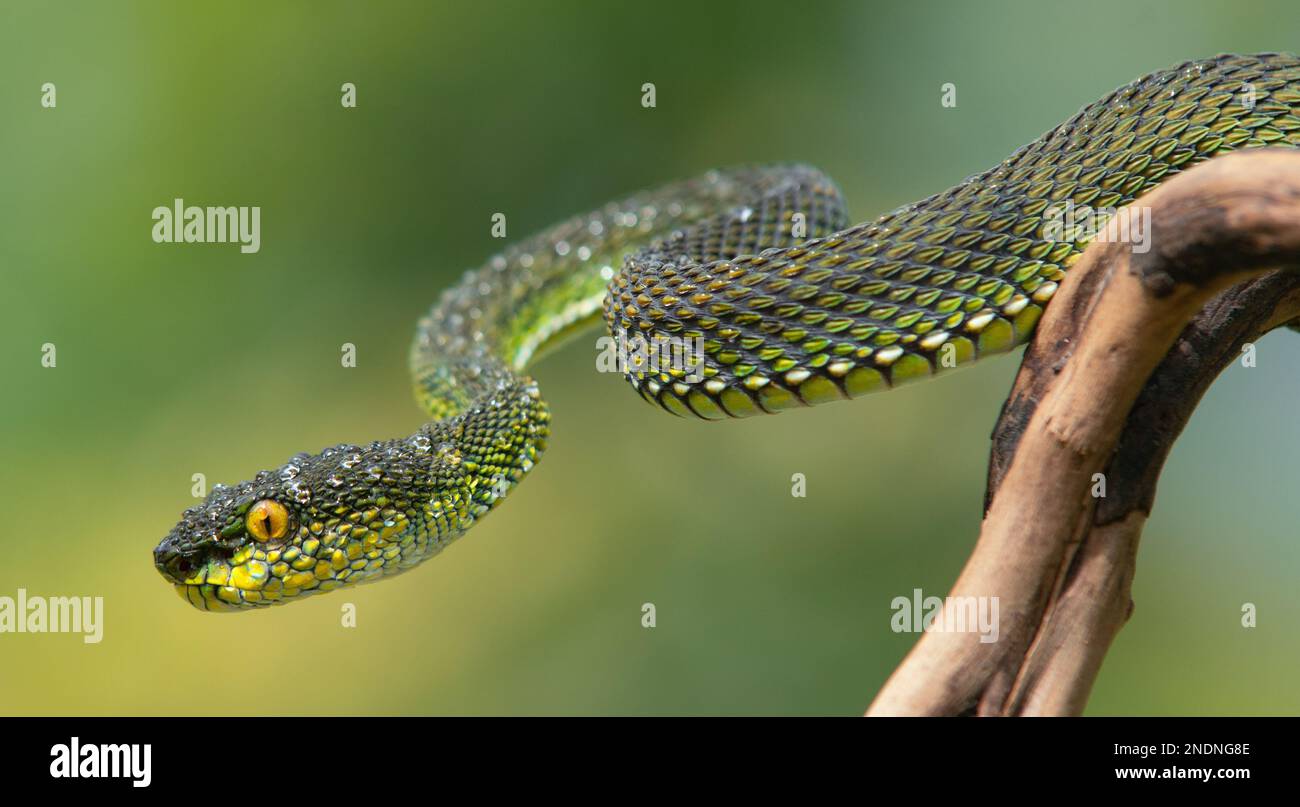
471	350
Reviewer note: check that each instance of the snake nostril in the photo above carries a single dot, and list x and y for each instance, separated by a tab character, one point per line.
172	563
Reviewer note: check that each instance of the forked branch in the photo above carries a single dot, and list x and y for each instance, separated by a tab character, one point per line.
1119	361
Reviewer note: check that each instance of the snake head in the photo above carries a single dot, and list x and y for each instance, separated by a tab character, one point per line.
219	555
323	521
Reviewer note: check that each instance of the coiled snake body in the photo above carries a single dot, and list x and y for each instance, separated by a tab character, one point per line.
788	305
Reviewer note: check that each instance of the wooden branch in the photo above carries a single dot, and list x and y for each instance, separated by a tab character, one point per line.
1100	390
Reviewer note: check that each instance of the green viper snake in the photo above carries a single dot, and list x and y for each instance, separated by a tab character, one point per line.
789	305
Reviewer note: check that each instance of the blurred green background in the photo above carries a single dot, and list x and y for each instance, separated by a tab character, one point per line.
177	359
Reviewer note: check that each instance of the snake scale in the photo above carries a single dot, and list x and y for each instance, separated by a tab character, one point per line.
790	304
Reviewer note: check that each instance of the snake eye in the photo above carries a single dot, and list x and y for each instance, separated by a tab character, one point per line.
267	520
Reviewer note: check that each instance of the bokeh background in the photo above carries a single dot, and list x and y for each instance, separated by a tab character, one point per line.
177	359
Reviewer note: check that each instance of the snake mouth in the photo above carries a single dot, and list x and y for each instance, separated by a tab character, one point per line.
204	597
256	576
216	585
188	570
198	576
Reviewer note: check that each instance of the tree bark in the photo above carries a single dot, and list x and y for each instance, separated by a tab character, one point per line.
1118	363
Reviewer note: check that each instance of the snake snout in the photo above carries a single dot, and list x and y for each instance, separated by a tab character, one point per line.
173	562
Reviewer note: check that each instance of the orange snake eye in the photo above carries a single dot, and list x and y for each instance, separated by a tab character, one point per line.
267	520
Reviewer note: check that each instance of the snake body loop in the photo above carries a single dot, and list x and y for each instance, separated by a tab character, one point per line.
792	307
